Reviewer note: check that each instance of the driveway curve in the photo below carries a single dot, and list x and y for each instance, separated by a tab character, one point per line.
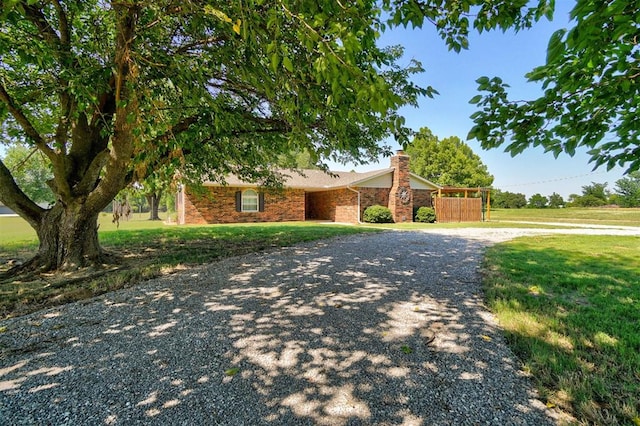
375	329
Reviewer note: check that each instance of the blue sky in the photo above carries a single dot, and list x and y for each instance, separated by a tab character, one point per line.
507	55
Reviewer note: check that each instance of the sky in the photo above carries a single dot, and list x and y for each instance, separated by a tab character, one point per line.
509	56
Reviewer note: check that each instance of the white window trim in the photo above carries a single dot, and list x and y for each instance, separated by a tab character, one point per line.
246	196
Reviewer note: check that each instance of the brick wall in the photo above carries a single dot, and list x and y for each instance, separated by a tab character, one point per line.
422	198
372	196
339	205
346	206
218	205
319	206
192	215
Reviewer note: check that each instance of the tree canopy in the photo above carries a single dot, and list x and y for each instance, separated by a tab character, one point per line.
449	161
116	91
537	201
591	84
556	201
507	199
628	190
593	195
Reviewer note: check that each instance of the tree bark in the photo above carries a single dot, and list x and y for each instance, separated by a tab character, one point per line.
68	239
153	199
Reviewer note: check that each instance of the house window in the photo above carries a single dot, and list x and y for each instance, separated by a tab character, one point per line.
249	201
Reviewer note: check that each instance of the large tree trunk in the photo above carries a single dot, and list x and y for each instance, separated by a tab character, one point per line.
68	239
153	199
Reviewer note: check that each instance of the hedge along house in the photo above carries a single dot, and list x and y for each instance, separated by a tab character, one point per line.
312	195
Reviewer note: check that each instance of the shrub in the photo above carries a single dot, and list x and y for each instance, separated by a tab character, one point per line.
425	215
377	214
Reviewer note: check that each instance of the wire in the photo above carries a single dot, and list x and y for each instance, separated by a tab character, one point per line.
552	180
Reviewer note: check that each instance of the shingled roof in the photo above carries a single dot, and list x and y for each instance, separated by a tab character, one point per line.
314	179
318	180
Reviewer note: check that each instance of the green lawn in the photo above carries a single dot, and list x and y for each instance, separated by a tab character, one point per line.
15	229
570	306
146	249
600	216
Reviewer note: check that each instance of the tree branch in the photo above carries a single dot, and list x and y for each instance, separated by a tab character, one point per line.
25	123
324	40
13	197
37	18
185	48
62	46
178	128
126	107
65	34
92	174
106	105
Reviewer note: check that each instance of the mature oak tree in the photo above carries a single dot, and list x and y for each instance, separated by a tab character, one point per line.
591	83
107	90
449	161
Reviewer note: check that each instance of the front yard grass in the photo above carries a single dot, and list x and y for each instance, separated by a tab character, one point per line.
582	215
146	250
570	307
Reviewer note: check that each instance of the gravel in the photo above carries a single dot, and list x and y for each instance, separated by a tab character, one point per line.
380	329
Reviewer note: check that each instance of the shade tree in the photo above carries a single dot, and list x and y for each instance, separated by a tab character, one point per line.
593	195
447	161
556	201
108	90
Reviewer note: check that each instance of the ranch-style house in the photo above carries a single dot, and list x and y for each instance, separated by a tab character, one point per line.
312	195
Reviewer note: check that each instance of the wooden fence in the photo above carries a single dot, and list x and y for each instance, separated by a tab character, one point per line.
451	209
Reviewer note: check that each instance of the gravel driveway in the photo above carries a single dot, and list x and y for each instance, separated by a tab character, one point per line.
380	329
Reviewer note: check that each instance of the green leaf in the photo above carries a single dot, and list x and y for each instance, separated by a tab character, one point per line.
275	62
286	62
231	371
556	46
475	99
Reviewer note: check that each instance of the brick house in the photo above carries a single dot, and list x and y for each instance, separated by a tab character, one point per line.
314	195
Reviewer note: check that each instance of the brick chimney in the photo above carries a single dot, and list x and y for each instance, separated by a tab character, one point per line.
401	196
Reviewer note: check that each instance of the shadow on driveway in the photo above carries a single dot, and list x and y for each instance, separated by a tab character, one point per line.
370	329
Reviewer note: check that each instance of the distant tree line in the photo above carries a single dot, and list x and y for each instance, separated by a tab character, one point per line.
626	194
